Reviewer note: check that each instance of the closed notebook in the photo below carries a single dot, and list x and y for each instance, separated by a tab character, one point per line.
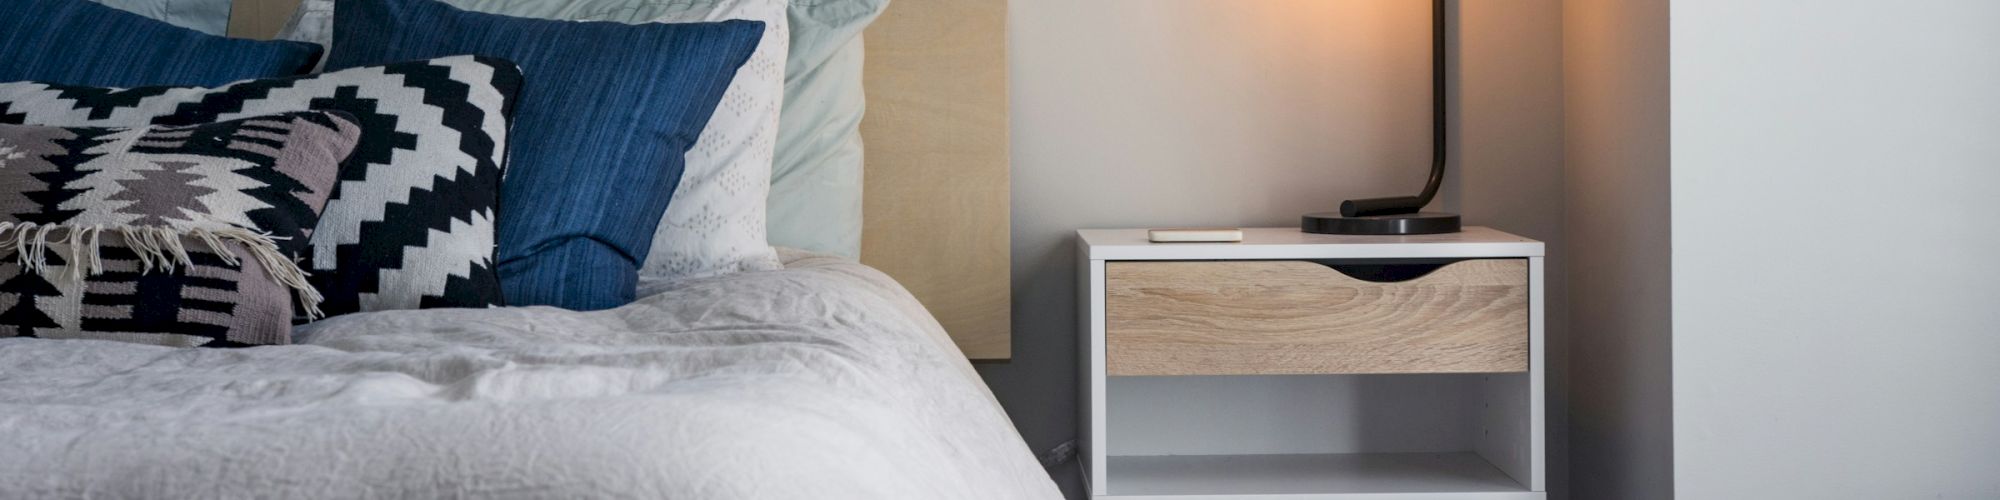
1196	235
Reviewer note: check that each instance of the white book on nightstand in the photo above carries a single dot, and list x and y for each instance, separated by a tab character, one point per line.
1195	235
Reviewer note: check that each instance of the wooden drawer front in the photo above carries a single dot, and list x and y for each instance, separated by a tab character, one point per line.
1296	317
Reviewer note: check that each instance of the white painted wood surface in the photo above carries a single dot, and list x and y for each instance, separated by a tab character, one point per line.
1513	434
1503	425
1091	362
1399	476
1537	463
1290	243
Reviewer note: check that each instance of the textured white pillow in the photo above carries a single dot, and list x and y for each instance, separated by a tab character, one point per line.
716	222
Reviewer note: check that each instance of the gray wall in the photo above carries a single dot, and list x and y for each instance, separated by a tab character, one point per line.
1615	190
1143	113
1836	301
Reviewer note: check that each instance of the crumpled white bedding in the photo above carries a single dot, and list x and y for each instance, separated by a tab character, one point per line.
823	380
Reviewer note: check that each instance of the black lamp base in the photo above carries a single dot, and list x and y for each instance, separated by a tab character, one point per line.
1385	225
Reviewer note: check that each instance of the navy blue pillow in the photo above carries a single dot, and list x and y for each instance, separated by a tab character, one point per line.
74	42
606	112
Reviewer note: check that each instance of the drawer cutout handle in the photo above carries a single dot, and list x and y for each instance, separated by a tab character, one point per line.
1380	271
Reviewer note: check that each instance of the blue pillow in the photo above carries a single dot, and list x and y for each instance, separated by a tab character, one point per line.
606	112
75	42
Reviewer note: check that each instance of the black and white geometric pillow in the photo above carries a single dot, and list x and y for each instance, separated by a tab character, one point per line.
164	235
411	222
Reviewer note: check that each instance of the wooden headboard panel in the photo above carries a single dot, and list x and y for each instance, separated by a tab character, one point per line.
936	205
937	175
259	18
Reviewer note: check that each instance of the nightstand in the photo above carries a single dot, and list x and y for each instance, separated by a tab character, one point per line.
1300	365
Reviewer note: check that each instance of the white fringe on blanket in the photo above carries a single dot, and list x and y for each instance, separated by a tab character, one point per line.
157	246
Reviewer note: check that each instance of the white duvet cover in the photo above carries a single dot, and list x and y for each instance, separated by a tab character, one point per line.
824	380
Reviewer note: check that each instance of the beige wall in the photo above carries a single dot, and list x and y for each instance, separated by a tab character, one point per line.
1615	83
1508	155
1141	113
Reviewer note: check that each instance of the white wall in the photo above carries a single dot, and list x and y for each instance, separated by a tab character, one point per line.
1836	290
1615	190
1140	113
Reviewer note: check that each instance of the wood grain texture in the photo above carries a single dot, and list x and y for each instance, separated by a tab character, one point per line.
260	19
1298	317
936	135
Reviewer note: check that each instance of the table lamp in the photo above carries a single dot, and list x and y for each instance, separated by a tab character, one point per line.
1403	214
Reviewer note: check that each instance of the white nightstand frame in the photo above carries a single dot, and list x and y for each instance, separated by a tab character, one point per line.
1518	451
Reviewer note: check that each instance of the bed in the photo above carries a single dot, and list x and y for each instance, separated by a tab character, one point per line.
822	380
825	378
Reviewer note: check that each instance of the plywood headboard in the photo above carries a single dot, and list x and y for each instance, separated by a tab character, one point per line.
936	205
259	18
937	176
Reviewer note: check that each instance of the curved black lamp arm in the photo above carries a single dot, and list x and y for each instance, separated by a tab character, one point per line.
1411	204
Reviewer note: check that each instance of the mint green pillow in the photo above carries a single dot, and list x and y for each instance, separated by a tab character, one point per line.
816	178
206	16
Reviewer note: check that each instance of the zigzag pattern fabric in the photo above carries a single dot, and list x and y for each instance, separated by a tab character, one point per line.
163	235
411	221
